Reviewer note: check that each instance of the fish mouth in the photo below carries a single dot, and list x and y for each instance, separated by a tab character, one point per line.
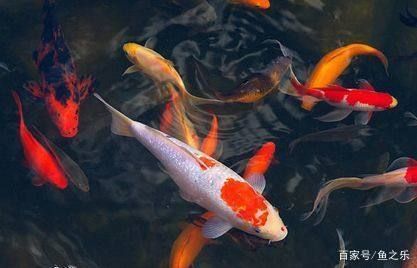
393	103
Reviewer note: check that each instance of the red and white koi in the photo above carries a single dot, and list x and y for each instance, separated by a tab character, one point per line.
203	180
364	100
399	182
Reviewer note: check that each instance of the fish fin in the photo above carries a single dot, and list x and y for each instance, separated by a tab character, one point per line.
363	118
170	63
210	142
294	88
34	88
151	42
334	116
121	124
384	195
72	170
342	247
406	196
215	227
186	197
413	119
402	162
321	201
131	69
257	181
38	181
86	86
364	84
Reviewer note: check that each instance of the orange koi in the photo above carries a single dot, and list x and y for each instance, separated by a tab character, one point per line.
332	65
209	144
47	161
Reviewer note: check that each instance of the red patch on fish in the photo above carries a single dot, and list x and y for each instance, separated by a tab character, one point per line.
411	173
245	201
352	97
208	163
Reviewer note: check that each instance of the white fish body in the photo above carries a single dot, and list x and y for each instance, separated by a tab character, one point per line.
202	180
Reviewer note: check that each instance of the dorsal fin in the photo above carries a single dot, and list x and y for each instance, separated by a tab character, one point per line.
364	84
402	162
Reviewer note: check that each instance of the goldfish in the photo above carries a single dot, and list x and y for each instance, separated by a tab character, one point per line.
159	69
399	182
261	4
59	87
191	240
260	84
48	162
346	100
332	65
237	203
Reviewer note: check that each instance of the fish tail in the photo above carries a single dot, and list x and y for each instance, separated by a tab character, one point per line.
320	204
360	49
121	124
209	144
19	105
294	88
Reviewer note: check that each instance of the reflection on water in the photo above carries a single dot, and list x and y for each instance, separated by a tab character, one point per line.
133	212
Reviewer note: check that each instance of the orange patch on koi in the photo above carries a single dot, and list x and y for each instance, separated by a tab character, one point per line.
245	201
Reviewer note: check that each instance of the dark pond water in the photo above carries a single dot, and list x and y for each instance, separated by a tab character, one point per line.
133	212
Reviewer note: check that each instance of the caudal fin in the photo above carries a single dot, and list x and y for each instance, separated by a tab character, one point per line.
121	124
19	105
320	204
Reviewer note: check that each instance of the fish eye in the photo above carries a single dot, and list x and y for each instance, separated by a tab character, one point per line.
276	210
257	230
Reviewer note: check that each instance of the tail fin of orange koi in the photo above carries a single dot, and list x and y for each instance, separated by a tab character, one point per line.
19	105
209	144
320	204
120	124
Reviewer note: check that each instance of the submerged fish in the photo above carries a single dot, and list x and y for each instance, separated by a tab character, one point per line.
408	18
344	134
48	162
260	84
261	4
399	182
203	180
59	86
159	69
364	100
191	240
332	65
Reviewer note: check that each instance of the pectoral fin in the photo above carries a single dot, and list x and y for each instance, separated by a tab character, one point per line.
131	69
336	115
257	181
38	181
402	162
216	227
363	118
408	195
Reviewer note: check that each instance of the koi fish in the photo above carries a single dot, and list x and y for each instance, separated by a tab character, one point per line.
364	100
344	134
49	163
408	18
189	244
237	202
59	85
191	240
399	182
261	84
332	65
159	69
261	4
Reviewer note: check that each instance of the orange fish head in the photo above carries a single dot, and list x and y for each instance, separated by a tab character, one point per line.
65	116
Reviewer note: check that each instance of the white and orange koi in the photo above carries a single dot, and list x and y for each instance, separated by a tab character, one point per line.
364	100
399	182
236	202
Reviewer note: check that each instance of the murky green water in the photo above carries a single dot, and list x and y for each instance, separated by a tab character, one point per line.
132	214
